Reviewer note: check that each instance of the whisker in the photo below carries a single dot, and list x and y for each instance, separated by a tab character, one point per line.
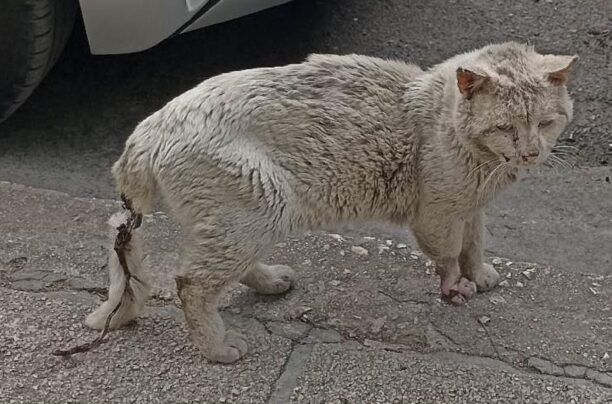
555	161
568	156
472	171
566	146
572	152
484	185
562	162
495	183
563	158
551	164
556	165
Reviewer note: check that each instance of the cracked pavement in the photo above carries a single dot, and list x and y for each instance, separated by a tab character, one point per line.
355	328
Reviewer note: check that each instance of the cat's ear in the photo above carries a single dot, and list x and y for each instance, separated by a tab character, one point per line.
469	82
558	68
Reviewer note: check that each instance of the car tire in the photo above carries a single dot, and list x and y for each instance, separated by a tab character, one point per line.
33	34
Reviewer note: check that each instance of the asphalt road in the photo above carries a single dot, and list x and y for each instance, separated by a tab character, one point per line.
73	127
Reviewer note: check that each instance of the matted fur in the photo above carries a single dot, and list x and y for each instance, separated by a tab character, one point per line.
131	305
248	157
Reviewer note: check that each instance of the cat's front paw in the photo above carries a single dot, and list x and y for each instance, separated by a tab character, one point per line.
486	278
457	290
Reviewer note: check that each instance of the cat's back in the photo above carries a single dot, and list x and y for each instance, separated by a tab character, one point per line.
320	82
363	67
323	80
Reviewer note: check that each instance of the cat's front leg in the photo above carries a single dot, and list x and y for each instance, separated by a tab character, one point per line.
440	237
471	259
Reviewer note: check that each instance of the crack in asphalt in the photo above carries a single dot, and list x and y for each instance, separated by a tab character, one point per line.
45	282
572	371
289	373
449	340
542	365
489	336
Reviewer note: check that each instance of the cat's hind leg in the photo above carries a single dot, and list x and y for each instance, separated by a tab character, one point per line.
226	235
211	264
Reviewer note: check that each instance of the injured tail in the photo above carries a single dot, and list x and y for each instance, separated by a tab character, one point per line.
128	289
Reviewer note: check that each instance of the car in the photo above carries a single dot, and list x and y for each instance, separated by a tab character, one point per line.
33	33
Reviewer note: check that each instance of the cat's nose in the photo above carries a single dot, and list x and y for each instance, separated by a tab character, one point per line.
530	157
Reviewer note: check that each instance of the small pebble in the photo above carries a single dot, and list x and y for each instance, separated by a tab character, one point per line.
359	250
378	324
497	299
484	320
519	284
504	284
382	248
402	245
336	237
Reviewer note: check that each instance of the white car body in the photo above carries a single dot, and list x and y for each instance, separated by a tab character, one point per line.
126	26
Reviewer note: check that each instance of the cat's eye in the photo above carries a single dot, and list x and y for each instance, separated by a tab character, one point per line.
505	127
545	123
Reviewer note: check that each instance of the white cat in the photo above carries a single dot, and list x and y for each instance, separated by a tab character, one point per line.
246	158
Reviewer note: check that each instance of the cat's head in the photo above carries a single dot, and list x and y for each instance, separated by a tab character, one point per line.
513	102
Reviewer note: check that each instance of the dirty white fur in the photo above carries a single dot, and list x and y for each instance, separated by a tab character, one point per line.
248	157
131	305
